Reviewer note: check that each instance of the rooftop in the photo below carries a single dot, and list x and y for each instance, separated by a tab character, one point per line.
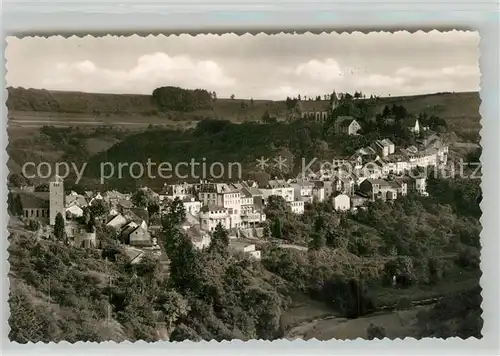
35	200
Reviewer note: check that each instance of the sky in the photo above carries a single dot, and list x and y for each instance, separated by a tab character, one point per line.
251	66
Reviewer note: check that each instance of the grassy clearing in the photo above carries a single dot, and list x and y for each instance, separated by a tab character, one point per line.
456	281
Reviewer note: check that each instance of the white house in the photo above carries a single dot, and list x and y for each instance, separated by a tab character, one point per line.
173	191
384	147
319	191
302	189
191	205
230	198
210	216
279	187
200	239
248	249
297	206
140	235
413	125
341	202
74	211
347	125
421	186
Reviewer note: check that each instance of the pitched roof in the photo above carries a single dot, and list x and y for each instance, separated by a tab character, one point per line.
344	121
141	213
246	193
79	200
126	204
381	182
36	200
191	219
411	121
318	184
387	142
211	207
358	196
278	183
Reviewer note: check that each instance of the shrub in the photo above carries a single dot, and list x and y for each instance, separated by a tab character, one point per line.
33	225
469	257
375	332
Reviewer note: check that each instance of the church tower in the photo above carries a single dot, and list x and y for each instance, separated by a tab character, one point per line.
56	198
334	101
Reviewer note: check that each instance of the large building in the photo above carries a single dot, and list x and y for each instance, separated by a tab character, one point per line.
315	110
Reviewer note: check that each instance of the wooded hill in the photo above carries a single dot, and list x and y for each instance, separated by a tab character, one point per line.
460	110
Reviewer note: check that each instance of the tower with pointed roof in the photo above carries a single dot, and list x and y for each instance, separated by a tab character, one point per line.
334	101
56	198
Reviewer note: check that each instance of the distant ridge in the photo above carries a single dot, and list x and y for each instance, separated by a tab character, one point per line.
21	99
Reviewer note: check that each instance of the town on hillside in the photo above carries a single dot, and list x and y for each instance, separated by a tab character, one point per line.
288	186
381	171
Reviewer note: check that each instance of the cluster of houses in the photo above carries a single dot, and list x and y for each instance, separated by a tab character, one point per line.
320	110
381	171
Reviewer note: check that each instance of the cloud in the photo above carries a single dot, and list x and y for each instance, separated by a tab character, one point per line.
149	72
455	71
325	71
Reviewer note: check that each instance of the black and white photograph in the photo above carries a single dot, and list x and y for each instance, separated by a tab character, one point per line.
244	187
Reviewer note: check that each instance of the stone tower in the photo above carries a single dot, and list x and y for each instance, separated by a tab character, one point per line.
56	198
334	101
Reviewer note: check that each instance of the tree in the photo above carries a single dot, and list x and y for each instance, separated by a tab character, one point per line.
175	98
175	214
33	225
290	103
220	241
141	198
98	209
386	112
174	306
266	118
318	239
153	208
266	234
59	227
14	205
183	333
16	180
